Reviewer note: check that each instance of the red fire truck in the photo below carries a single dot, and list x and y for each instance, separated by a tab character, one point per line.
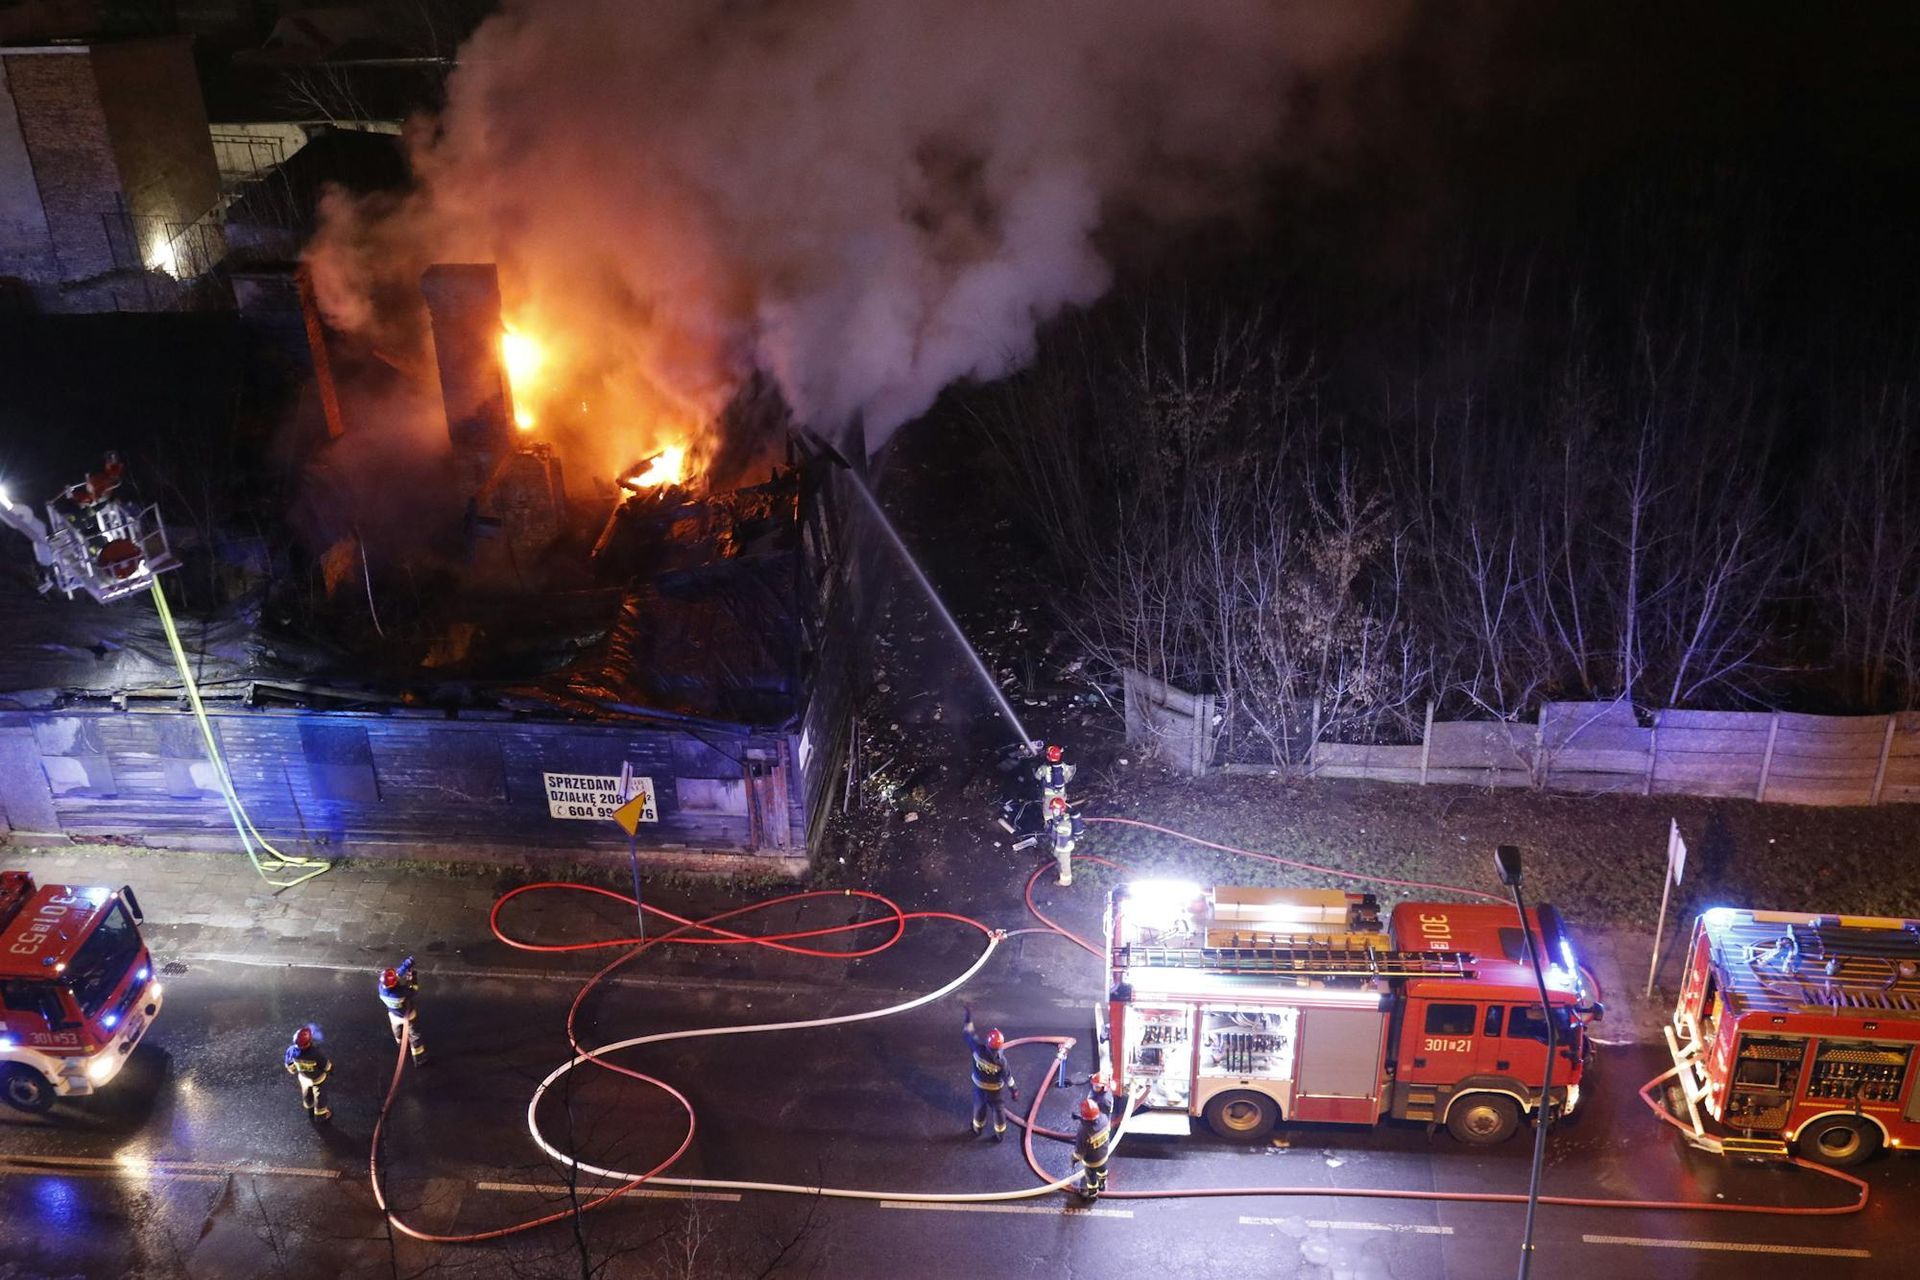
1250	1006
1799	1030
77	989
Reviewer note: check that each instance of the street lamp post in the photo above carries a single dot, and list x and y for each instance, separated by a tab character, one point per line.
1506	860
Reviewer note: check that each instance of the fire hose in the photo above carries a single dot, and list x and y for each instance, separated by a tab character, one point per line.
685	932
708	932
259	851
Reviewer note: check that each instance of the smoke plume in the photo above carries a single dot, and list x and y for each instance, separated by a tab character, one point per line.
864	200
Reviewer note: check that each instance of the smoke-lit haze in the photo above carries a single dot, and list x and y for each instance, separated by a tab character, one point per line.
864	199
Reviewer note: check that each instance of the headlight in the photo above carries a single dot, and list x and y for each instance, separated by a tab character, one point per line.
1573	1098
101	1069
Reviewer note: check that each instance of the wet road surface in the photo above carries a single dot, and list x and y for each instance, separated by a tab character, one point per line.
199	1162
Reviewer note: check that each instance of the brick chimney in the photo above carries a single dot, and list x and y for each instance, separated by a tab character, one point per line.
464	300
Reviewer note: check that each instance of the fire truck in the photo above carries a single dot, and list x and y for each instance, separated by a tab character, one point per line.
1246	1007
77	989
1797	1032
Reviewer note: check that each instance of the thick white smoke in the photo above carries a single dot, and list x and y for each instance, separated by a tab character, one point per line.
864	199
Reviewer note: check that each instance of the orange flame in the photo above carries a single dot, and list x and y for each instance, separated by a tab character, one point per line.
669	466
523	358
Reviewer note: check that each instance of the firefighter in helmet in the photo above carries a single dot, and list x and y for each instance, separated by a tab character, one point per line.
309	1064
398	990
1091	1148
1053	773
1060	828
992	1078
1100	1092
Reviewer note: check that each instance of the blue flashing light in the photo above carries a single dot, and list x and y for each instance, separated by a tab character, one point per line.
143	975
111	1021
1566	954
7	1042
1719	916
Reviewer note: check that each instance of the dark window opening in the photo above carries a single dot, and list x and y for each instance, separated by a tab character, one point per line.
103	959
1525	1023
24	995
1450	1019
1495	1015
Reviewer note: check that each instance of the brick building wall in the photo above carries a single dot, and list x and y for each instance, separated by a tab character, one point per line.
26	246
65	130
113	149
157	125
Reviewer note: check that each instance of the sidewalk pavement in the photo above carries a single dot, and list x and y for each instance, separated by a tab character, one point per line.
368	914
201	903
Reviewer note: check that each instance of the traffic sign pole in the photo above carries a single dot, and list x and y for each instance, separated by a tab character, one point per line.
633	844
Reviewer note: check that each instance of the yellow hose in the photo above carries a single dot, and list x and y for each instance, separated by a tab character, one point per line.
250	836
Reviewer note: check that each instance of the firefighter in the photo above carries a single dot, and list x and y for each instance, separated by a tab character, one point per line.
397	990
1060	827
1090	1149
992	1078
1053	773
309	1064
1100	1092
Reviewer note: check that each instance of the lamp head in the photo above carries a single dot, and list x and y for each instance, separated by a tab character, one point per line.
1506	860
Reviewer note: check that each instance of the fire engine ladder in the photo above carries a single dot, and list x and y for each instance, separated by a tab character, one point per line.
1304	958
1689	1072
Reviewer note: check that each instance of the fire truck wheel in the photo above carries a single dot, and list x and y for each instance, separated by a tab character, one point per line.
1483	1119
1838	1140
26	1089
1241	1114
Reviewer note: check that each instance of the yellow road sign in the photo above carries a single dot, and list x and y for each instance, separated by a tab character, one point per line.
636	811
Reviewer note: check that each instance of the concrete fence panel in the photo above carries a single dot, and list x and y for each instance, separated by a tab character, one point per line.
1777	757
1178	724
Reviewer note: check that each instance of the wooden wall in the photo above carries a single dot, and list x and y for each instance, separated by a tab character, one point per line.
422	784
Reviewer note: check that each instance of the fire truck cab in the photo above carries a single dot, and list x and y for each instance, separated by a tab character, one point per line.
77	988
1247	1006
1796	1031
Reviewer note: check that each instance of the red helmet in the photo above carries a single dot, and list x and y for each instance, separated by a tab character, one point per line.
303	1038
995	1039
1099	1083
389	978
1089	1109
1056	804
1054	753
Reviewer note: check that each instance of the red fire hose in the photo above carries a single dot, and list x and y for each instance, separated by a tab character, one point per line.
707	932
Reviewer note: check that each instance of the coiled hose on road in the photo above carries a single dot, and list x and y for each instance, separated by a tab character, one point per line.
708	932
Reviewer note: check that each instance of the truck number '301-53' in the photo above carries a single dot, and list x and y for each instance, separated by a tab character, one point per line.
1443	1044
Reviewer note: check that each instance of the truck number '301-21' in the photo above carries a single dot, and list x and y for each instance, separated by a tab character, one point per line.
1444	1044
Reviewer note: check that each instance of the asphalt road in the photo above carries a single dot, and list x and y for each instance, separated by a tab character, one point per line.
199	1162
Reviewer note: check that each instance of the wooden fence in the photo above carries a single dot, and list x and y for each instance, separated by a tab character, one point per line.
1601	746
418	783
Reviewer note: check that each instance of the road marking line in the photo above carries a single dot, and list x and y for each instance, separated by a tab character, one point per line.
1324	1224
1070	1211
126	1175
136	1166
526	975
559	1189
1728	1246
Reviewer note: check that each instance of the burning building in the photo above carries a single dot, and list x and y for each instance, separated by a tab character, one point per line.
649	632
